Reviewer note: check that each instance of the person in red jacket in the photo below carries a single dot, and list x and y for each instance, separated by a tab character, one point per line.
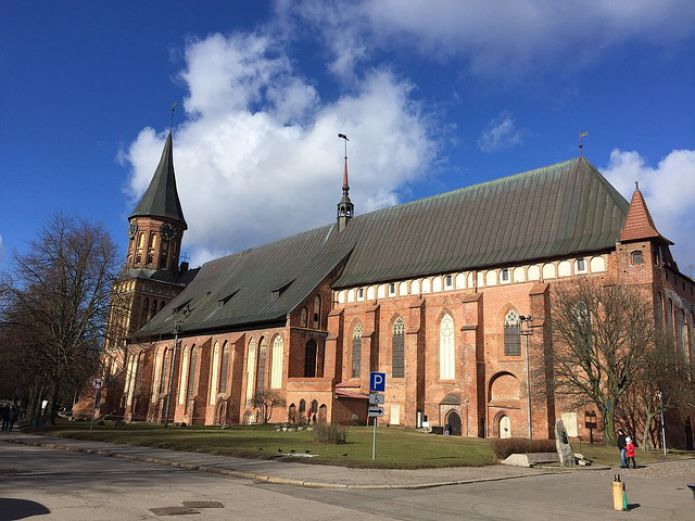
630	452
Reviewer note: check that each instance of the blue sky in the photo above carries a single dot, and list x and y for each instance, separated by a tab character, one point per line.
434	96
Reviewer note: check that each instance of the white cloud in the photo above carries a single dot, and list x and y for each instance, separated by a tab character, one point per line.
258	157
669	191
499	133
495	38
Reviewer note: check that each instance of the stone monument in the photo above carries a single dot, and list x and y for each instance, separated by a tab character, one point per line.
562	444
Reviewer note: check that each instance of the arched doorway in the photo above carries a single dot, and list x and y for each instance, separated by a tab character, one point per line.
453	420
505	427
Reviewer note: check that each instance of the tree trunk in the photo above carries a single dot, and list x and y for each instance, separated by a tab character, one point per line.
609	426
649	417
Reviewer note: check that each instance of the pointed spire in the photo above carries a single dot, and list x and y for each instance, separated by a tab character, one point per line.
639	224
161	199
346	186
345	207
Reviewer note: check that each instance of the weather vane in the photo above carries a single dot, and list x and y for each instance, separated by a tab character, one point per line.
582	134
343	136
171	119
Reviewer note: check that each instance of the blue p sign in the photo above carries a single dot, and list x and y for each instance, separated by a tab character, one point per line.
377	381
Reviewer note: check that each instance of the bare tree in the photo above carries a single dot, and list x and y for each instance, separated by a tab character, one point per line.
267	401
56	306
664	370
601	333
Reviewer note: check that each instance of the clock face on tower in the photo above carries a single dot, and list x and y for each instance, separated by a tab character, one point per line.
132	230
168	232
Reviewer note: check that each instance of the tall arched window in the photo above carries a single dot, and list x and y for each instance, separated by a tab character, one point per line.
215	373
356	350
317	312
681	333
447	364
310	351
659	311
138	251
250	370
303	318
262	352
512	334
192	368
276	367
302	405
165	370
224	367
669	316
398	349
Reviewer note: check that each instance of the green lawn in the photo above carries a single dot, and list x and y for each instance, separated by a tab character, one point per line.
396	448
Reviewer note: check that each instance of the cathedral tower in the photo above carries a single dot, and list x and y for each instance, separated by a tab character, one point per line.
157	224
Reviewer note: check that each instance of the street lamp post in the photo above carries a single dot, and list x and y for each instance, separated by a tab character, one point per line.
660	396
527	333
177	330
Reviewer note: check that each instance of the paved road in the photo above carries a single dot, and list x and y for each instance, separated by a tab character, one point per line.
54	485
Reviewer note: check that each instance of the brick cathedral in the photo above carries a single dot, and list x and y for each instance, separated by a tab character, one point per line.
433	292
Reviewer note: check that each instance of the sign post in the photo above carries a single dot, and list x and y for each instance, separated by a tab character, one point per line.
96	384
377	385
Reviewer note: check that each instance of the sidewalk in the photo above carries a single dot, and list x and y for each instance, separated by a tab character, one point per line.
284	472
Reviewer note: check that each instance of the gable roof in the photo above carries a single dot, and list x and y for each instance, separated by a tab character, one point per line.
559	210
255	286
161	199
639	224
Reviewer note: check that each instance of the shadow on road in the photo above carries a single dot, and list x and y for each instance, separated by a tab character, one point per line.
12	508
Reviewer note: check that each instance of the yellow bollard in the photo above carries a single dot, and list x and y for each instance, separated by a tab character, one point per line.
619	494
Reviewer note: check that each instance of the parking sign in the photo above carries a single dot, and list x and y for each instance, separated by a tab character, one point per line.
377	382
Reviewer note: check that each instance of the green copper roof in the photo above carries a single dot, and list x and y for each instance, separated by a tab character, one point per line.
559	210
161	199
554	211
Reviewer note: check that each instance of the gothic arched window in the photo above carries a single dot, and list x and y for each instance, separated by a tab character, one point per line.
165	370
276	367
192	368
356	350
447	364
398	349
317	312
260	378
250	370
512	334
224	367
303	318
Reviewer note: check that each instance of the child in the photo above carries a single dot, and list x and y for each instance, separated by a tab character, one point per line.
630	452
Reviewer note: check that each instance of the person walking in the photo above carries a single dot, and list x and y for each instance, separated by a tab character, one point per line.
11	417
4	414
630	452
621	448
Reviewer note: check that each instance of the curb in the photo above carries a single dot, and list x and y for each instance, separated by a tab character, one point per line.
262	478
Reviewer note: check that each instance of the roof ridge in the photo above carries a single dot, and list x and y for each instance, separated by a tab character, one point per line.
489	183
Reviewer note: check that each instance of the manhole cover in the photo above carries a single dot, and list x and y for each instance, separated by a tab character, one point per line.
173	511
202	504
